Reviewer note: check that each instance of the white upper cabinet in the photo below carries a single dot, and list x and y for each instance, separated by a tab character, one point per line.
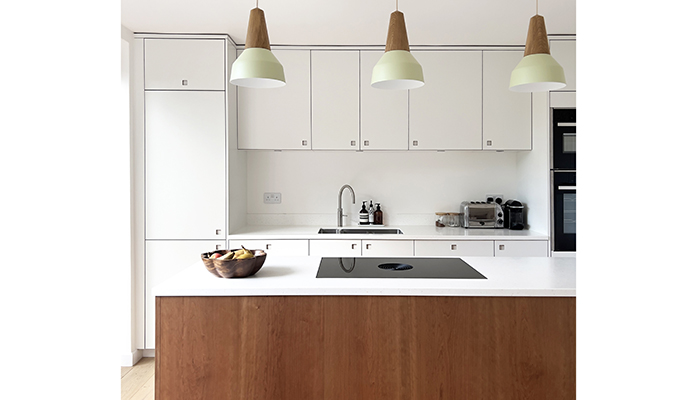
185	165
279	118
335	100
185	64
384	113
507	114
564	51
445	114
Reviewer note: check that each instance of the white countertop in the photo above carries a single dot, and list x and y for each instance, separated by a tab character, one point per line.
296	276
410	232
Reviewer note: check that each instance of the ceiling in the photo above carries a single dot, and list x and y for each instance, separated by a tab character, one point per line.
354	22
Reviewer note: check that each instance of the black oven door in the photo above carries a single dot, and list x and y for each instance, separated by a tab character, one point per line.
564	138
564	211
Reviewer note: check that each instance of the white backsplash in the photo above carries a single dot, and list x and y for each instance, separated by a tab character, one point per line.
410	185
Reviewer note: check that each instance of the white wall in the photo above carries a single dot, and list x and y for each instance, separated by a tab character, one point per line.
533	168
411	186
127	318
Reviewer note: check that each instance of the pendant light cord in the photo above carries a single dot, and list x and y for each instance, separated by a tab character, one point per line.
537	7
256	4
397	5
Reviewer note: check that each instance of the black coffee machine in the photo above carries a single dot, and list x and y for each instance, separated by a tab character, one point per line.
514	215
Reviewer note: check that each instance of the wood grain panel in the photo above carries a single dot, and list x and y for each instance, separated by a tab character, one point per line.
365	347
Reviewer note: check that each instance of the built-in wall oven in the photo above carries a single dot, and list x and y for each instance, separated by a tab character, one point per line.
563	179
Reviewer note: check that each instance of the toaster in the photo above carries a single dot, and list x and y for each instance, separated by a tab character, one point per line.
481	214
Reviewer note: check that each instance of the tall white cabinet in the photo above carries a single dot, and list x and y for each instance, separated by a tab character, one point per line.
187	103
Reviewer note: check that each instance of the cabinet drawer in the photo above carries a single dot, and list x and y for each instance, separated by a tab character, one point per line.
280	247
387	248
184	64
335	248
522	248
457	248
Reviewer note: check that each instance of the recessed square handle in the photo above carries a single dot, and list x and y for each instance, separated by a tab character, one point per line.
415	143
453	247
184	82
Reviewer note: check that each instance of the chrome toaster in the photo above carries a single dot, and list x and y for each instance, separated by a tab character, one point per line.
480	214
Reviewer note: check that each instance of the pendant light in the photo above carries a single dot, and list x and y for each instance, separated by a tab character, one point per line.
257	67
538	71
397	69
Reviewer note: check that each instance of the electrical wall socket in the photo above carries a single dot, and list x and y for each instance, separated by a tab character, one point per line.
495	197
272	198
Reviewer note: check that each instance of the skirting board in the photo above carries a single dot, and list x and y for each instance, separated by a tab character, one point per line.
129	360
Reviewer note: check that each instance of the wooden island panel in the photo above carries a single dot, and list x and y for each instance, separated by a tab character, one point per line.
365	347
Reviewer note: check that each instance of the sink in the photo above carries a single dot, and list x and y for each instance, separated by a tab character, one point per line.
361	231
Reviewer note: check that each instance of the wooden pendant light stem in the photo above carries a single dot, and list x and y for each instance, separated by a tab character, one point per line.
257	30
397	38
537	42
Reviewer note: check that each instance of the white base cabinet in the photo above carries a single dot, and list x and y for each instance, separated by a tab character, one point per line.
360	248
522	248
282	247
455	248
164	259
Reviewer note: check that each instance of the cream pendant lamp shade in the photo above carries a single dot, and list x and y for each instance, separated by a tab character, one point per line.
397	69
257	67
538	71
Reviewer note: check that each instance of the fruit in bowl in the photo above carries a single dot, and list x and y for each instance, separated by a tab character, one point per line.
237	263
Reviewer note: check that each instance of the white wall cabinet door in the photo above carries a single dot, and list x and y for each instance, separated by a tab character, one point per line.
384	113
387	248
277	247
165	258
335	248
456	248
564	51
185	165
335	100
185	64
522	248
507	114
445	114
280	118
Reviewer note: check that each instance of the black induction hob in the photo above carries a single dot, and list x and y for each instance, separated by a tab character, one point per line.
392	267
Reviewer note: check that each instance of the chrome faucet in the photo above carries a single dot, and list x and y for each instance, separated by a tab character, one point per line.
340	203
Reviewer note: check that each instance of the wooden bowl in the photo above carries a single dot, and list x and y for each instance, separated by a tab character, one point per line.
210	263
235	268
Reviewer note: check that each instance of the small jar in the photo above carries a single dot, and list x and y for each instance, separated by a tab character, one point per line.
440	219
453	219
443	219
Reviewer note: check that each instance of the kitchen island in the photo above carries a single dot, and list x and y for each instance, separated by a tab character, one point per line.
285	334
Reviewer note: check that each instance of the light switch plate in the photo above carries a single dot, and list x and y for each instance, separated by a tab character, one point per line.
272	198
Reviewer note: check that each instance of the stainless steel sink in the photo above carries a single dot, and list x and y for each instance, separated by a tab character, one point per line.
361	231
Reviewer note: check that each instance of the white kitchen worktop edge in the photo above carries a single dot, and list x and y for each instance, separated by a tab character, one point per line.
410	232
296	276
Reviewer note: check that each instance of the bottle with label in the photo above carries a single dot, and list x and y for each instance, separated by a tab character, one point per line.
371	213
378	216
364	215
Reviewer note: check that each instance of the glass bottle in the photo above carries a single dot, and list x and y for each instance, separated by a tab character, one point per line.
371	213
364	215
378	216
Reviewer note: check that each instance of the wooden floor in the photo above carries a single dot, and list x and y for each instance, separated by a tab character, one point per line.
138	382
